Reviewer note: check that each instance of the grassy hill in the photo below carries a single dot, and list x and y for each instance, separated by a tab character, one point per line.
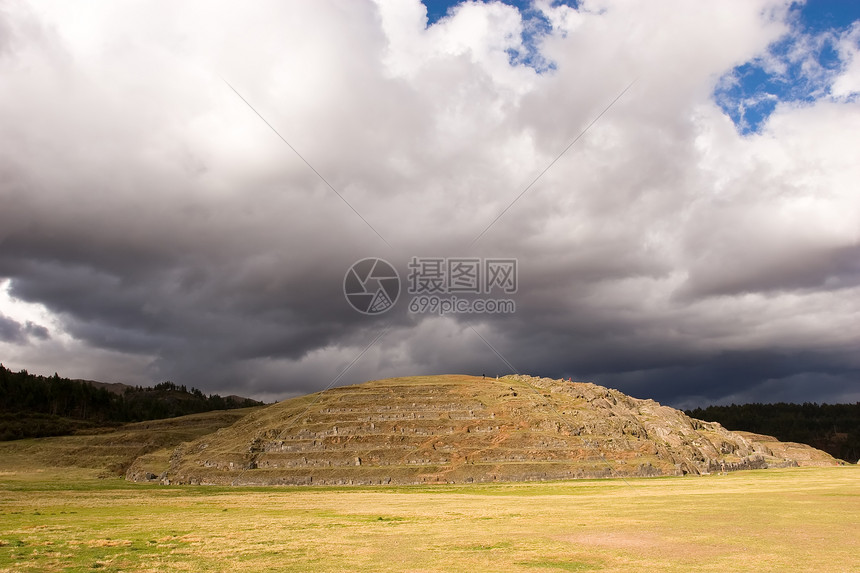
110	451
57	514
461	429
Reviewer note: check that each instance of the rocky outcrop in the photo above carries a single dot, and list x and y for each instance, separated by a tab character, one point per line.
801	455
460	429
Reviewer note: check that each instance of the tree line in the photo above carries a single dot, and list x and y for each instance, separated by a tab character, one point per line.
35	406
834	428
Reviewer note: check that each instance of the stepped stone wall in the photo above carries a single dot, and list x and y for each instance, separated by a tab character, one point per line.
459	429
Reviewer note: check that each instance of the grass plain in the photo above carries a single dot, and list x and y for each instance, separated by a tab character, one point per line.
68	519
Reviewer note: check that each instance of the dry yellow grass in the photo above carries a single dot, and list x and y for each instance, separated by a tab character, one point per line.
111	450
773	520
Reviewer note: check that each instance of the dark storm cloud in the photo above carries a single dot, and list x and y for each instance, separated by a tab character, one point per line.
167	229
11	330
200	312
37	331
740	252
17	333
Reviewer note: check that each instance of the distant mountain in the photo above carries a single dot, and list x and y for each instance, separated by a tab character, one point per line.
34	406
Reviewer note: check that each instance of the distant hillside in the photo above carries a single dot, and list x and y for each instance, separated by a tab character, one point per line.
833	428
34	406
110	451
115	387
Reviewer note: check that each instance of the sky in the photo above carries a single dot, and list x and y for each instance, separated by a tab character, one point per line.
185	187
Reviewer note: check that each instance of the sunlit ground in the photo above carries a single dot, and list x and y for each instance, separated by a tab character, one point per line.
771	520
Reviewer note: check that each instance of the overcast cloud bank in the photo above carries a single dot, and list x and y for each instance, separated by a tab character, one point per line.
153	227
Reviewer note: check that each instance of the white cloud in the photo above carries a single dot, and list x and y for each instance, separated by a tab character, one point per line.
168	228
847	83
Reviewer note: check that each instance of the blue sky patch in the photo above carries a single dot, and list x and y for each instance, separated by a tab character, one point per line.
798	68
824	15
535	26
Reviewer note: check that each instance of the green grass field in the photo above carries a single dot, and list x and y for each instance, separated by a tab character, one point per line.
66	519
